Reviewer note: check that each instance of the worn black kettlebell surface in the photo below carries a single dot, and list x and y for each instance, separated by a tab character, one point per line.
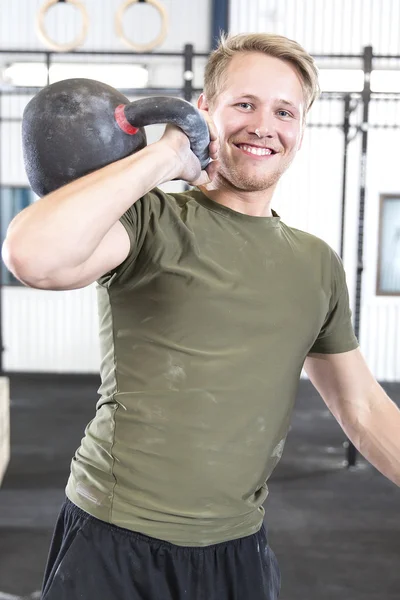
76	126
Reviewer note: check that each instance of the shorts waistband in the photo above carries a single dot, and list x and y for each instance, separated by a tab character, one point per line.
75	511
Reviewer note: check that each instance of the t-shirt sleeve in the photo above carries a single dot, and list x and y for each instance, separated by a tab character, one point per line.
136	222
337	333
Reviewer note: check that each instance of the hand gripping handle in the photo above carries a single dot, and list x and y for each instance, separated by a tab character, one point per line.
179	112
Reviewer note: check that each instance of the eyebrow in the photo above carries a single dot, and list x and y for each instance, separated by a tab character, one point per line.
248	97
287	103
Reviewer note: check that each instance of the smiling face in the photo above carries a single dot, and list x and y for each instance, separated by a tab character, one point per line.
259	116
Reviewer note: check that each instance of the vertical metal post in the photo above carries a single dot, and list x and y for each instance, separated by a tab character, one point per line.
219	20
188	72
1	230
48	65
346	130
366	99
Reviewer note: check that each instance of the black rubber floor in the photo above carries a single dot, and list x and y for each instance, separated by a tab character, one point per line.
336	532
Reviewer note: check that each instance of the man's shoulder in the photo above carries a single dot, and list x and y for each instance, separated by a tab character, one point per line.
161	200
308	240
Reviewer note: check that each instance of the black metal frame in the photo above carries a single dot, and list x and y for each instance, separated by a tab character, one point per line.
187	90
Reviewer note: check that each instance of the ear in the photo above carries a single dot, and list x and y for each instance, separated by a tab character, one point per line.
202	102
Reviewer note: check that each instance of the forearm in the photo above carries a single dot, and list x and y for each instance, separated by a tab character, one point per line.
376	434
63	229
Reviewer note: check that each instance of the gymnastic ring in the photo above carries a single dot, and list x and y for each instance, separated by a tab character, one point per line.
141	47
40	28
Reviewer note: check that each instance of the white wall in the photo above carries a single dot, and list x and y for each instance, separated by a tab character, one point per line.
324	26
188	23
50	331
57	331
309	196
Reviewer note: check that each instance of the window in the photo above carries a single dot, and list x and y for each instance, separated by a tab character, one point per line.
13	200
388	277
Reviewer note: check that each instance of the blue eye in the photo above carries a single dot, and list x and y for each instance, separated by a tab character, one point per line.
244	104
287	114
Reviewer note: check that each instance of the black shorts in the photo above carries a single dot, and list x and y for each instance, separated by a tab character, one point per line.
92	560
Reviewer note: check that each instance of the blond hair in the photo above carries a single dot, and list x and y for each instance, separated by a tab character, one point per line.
270	44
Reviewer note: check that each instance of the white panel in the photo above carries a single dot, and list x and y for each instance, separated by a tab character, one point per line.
308	196
50	331
12	165
380	339
188	23
252	10
326	26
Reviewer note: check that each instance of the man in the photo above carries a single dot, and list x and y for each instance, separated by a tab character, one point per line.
209	308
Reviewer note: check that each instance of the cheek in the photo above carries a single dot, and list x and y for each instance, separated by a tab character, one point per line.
229	127
292	137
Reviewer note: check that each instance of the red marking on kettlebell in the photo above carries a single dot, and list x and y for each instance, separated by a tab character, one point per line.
122	122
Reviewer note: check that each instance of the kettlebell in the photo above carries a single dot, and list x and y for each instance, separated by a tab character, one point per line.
75	126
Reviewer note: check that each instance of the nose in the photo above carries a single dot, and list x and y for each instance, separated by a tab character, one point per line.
262	126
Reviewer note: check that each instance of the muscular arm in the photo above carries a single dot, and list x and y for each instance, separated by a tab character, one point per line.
70	237
56	236
370	419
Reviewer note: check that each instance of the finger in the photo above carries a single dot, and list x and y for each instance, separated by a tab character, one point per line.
208	174
211	126
212	169
213	150
202	180
213	130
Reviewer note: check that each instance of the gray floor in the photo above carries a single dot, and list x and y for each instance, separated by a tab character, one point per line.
335	532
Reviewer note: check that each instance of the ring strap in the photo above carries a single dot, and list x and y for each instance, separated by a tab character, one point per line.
47	41
119	19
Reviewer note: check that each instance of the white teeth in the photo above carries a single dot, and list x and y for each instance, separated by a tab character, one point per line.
256	151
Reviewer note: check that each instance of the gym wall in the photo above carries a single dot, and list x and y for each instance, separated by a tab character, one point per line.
57	331
309	194
324	26
189	22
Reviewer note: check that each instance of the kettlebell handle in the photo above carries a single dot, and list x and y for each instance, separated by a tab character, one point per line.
76	126
164	109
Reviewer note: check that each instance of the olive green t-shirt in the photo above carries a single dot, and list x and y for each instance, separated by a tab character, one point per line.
204	330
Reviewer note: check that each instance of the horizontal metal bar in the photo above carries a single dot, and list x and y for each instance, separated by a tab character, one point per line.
31	91
385	56
309	125
383	96
170	54
377	126
318	56
326	125
376	96
337	95
156	90
101	53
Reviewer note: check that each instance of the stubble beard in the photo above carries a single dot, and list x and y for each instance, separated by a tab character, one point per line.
239	178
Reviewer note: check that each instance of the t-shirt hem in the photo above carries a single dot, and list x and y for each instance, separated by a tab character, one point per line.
102	514
335	350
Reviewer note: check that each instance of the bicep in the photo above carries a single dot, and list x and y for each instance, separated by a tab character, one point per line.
344	380
109	254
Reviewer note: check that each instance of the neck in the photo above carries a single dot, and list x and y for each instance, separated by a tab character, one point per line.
254	203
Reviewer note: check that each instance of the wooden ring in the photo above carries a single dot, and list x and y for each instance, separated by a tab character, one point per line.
141	47
40	27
